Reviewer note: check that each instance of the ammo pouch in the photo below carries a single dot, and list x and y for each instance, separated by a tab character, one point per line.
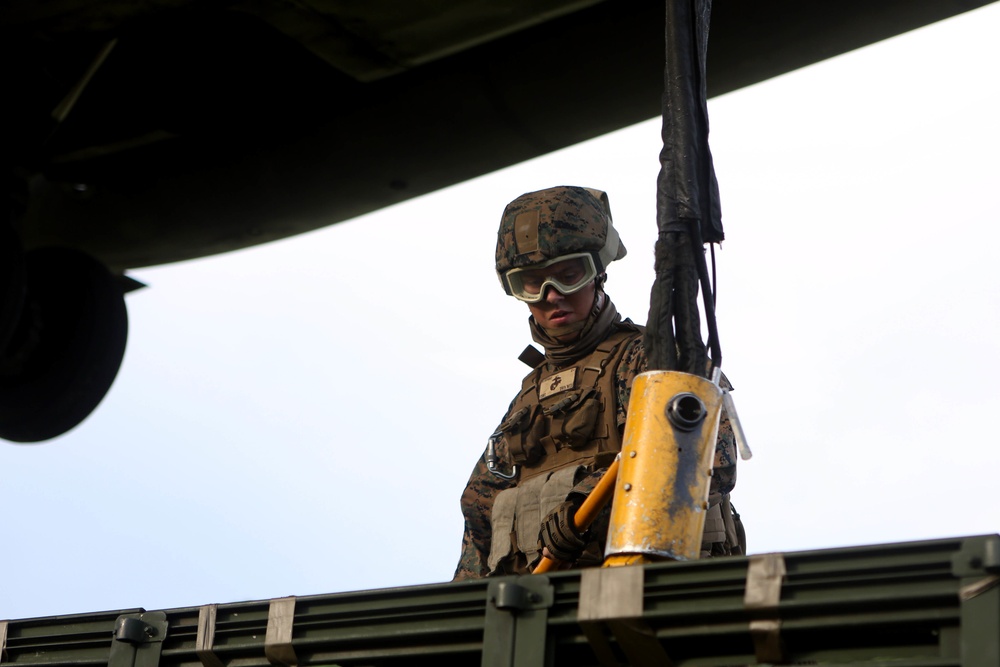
572	421
521	431
518	513
723	531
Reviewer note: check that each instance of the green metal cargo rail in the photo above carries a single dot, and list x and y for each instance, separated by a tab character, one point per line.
917	603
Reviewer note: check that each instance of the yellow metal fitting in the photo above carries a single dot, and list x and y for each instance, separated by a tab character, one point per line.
661	495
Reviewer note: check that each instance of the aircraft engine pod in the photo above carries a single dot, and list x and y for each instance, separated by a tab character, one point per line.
66	347
11	282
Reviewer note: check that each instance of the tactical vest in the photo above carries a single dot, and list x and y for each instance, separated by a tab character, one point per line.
568	416
561	426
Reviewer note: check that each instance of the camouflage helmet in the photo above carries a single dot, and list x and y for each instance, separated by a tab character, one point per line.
540	227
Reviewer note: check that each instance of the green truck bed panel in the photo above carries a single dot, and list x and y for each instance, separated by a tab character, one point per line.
922	603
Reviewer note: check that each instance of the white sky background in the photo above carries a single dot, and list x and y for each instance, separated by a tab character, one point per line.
301	418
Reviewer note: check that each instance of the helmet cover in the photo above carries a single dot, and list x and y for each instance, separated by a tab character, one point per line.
542	226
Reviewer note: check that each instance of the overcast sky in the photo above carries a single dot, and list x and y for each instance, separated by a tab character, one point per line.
301	418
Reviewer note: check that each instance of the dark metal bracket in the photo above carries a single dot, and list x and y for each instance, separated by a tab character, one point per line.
977	565
978	556
516	621
138	639
611	605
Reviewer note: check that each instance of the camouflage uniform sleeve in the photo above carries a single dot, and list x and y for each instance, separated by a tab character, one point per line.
477	506
724	468
633	363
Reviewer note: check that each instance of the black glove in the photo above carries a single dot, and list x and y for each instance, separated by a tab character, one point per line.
559	535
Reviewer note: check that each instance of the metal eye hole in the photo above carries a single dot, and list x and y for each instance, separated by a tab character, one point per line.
686	411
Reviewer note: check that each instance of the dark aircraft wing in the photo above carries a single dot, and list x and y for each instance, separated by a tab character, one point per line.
210	126
140	133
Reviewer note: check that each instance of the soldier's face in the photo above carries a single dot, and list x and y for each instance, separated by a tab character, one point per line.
558	310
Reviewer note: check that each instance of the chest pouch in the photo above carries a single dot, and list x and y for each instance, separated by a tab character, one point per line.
522	432
572	420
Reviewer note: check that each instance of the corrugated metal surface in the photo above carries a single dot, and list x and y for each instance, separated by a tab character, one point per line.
916	604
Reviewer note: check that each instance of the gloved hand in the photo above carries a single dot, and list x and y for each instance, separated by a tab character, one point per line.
559	535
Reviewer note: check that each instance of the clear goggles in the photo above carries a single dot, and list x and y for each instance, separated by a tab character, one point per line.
566	274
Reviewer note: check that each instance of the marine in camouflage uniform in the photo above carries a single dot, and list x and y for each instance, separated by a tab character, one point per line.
565	426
